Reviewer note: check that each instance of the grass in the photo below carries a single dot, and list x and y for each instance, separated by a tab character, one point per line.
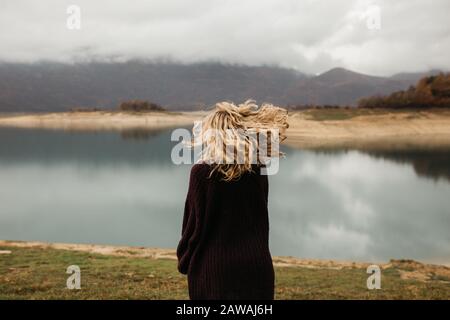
335	114
36	273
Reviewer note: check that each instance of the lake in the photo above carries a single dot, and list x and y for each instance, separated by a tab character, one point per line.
122	189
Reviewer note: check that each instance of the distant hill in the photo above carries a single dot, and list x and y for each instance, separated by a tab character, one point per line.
339	86
415	76
58	87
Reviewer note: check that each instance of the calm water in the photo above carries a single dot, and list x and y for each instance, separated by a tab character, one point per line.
122	189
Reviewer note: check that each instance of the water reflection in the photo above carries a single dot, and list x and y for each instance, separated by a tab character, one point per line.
349	205
140	134
102	187
434	164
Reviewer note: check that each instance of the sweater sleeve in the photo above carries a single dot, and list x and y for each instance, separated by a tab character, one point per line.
191	228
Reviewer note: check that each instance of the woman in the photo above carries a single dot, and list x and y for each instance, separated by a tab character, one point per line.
224	248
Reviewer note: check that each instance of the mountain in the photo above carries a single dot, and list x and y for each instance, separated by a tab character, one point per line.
337	76
51	86
339	86
58	87
415	76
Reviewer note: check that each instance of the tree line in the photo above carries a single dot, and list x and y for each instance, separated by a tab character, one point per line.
140	106
125	106
429	92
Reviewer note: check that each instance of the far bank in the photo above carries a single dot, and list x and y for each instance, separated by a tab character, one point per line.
309	129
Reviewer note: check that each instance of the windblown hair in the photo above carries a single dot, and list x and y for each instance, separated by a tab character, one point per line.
239	126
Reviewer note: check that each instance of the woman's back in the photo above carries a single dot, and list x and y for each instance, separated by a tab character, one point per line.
224	247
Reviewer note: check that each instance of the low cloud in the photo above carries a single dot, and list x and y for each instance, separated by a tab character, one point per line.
311	36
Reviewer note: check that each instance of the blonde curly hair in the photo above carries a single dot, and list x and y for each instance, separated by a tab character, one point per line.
244	127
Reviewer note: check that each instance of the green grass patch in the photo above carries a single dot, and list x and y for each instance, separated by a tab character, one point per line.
339	113
33	273
334	114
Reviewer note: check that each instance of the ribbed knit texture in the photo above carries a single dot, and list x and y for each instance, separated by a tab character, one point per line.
224	246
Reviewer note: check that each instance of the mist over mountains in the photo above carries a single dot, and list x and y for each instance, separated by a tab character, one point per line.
43	87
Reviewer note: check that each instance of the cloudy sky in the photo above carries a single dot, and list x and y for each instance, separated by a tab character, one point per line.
378	37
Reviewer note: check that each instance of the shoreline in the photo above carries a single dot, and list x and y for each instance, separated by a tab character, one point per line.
170	254
309	129
370	129
99	120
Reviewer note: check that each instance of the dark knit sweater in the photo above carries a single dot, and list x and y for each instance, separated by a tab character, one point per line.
224	246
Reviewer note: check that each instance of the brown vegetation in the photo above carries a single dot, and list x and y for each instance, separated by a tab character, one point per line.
85	109
140	106
430	92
